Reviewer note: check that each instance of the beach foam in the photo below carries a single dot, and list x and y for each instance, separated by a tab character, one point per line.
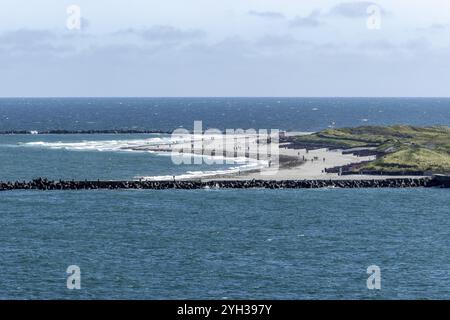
240	164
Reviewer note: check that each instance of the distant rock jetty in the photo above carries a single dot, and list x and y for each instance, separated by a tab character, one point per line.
108	131
44	184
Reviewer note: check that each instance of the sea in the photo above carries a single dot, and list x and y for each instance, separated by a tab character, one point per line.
212	243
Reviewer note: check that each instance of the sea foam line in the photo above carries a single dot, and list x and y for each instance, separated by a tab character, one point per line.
243	163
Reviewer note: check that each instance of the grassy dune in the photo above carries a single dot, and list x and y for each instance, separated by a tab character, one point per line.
403	148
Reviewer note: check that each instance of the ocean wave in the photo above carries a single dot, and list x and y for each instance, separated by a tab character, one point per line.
102	145
240	164
204	174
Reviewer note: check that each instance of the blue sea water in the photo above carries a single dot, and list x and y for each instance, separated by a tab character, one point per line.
265	244
22	161
210	244
298	114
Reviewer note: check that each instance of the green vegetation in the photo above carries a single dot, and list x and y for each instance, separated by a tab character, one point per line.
401	147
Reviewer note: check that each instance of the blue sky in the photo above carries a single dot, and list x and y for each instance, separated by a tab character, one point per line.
225	48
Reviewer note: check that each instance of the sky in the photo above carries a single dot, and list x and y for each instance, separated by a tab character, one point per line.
183	48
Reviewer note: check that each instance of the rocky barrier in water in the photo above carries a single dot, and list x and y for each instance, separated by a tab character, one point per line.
107	131
44	184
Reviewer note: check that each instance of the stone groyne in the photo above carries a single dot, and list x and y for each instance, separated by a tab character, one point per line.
106	131
44	184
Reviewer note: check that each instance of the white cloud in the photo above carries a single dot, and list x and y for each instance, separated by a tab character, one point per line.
352	9
165	33
267	14
312	20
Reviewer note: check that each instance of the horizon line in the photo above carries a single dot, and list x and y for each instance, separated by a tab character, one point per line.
224	97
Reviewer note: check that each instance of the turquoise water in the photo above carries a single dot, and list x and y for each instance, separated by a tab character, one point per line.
265	244
209	244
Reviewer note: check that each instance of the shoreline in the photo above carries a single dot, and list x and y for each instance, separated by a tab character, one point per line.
288	164
292	161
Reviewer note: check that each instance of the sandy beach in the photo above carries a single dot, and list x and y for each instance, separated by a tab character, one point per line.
312	169
256	159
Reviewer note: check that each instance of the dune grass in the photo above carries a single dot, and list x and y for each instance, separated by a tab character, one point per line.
404	148
412	159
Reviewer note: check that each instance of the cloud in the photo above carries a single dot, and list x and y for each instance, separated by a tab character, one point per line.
276	41
435	27
418	44
25	37
165	33
377	45
311	20
278	63
25	42
353	9
414	47
267	14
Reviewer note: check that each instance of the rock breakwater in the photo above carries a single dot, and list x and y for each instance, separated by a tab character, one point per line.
45	184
